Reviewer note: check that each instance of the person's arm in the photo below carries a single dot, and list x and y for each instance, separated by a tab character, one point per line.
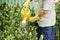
35	18
46	7
42	13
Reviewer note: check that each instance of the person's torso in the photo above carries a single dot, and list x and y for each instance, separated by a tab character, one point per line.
48	19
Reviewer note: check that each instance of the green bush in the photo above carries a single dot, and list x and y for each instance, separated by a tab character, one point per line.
10	27
58	20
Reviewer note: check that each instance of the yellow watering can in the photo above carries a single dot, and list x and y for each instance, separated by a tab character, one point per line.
26	14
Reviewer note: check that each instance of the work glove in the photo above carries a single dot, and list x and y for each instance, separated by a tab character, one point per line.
33	19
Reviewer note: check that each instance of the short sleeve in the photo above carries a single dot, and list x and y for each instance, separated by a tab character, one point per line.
47	4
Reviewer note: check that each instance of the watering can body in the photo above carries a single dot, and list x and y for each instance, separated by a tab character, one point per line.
26	14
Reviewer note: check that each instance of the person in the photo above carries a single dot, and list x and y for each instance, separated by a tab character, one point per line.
46	11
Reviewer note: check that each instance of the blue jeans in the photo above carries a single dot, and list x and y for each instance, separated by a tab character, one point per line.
47	32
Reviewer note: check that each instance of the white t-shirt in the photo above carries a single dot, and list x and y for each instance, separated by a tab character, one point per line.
50	18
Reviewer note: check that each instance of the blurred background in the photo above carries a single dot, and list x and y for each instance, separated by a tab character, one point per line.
9	18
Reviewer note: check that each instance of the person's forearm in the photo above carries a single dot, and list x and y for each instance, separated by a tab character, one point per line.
37	17
42	13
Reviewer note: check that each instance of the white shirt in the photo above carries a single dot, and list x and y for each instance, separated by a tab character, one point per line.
50	18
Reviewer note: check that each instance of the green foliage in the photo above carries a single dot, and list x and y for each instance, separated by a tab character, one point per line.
10	27
58	21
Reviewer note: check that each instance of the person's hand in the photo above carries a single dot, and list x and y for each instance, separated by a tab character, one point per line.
33	19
